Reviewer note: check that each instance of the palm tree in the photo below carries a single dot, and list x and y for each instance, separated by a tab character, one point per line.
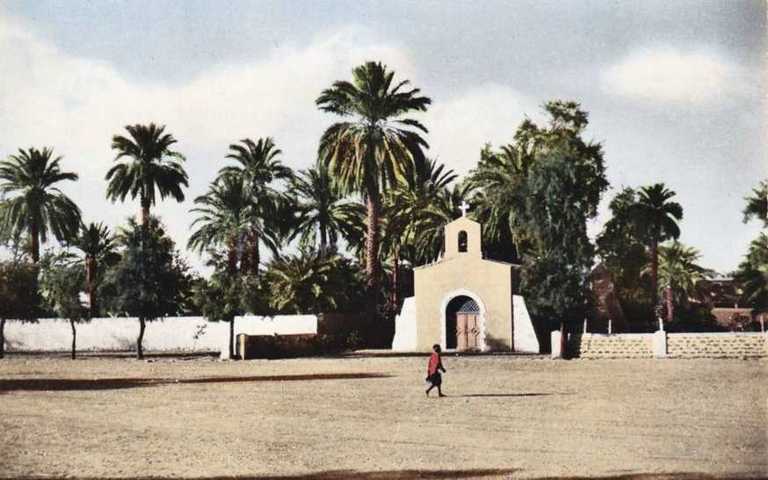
311	282
151	167
259	167
35	204
414	211
497	189
679	273
753	274
655	220
375	148
757	204
98	246
323	214
224	215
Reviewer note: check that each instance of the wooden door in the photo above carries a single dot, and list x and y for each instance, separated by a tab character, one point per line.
461	331
473	330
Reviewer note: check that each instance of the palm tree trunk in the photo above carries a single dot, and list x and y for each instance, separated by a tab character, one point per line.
396	279
372	252
232	338
654	277
34	234
2	337
90	282
140	340
670	306
323	238
74	337
145	211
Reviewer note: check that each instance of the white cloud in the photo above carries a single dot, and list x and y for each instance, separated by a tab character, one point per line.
669	75
461	125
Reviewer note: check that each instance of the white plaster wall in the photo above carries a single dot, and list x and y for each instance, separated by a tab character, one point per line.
191	334
405	327
524	336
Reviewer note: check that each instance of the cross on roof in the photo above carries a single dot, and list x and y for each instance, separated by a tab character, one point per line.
464	207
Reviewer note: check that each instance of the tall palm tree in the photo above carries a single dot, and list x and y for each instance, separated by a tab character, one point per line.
98	246
34	203
757	204
260	168
323	214
679	273
655	219
151	167
375	147
223	218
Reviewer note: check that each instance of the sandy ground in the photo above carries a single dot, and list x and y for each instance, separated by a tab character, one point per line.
505	417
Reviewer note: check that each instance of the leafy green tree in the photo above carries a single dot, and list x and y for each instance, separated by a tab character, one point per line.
557	264
655	219
753	274
680	272
147	166
150	280
261	170
99	249
34	203
19	295
223	296
313	282
374	148
324	215
62	279
757	204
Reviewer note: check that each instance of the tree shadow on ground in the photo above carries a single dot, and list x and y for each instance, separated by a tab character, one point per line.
75	384
440	475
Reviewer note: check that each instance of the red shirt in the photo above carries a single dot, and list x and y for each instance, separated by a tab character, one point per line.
434	363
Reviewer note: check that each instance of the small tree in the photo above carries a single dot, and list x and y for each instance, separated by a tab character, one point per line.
62	279
221	298
19	298
149	281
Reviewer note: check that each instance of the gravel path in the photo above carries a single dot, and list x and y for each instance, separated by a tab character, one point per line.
505	417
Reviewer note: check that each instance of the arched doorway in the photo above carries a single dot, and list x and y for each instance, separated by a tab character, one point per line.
463	324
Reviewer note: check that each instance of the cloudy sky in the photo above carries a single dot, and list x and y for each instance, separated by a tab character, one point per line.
675	90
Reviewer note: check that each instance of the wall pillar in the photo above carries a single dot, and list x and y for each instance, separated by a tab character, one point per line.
556	342
660	344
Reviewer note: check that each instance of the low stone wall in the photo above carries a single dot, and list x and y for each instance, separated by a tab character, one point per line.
717	345
598	345
670	345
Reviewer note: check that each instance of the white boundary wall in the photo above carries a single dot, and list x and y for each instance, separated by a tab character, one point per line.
184	334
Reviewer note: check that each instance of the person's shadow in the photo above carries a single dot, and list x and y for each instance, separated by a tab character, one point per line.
504	395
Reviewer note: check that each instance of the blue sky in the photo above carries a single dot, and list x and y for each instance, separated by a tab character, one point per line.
675	90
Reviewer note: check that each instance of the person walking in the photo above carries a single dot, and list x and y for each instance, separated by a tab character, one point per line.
434	367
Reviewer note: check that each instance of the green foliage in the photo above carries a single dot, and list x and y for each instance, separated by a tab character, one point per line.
314	282
150	280
19	295
375	148
151	166
539	193
757	204
33	203
62	279
753	274
98	247
323	214
678	269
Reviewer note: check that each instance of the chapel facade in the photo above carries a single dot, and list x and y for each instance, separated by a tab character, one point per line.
465	302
